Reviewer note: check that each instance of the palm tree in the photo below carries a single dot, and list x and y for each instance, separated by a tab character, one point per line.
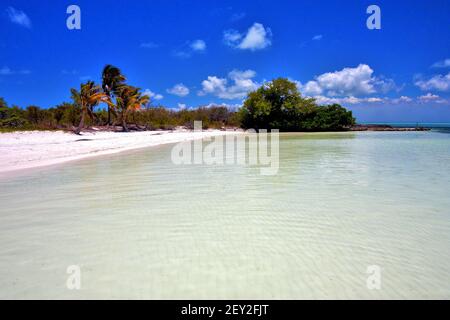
112	78
129	99
89	96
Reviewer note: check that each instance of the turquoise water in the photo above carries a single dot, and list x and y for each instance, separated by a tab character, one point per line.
140	227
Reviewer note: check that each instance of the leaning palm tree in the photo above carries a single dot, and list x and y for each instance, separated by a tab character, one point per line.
89	96
112	79
129	99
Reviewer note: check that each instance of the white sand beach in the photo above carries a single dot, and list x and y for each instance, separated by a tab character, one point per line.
29	149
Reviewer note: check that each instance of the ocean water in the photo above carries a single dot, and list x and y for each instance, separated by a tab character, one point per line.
345	211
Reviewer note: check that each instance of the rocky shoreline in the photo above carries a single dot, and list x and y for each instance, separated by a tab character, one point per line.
376	127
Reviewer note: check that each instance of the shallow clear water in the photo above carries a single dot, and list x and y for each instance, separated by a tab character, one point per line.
140	227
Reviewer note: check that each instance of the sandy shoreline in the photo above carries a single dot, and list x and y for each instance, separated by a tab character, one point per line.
32	149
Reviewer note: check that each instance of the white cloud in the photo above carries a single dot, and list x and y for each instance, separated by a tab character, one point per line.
179	90
373	99
257	37
240	75
402	99
231	107
198	45
232	37
432	98
152	95
323	100
18	17
327	100
437	82
315	38
384	85
6	71
242	84
183	106
190	48
429	97
312	88
442	64
347	82
359	85
213	85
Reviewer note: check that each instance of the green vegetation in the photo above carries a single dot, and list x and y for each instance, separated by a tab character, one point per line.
112	79
276	105
89	96
67	116
129	100
279	105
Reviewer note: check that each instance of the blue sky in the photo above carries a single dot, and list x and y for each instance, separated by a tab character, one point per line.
191	53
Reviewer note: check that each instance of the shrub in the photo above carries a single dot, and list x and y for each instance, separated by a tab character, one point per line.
279	105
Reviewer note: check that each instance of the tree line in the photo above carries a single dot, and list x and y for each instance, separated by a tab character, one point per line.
275	105
278	104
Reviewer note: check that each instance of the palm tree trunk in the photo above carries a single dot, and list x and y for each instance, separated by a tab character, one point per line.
81	125
109	108
124	123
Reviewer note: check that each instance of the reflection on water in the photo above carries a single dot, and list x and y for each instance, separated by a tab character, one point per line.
140	227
